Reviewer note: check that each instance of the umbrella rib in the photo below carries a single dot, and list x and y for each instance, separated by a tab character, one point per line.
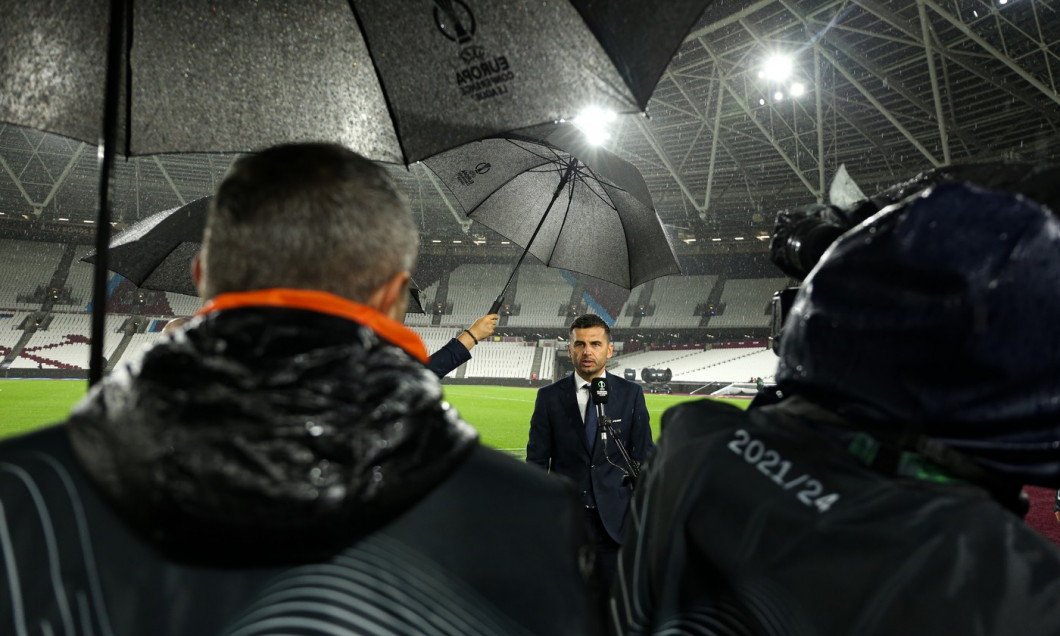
555	158
588	186
559	162
597	179
566	215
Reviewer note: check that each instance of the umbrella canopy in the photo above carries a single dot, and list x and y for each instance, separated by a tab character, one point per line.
156	252
572	205
394	81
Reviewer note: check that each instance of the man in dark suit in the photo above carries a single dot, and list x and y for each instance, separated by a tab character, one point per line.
564	437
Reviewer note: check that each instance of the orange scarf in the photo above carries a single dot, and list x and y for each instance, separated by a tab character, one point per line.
324	303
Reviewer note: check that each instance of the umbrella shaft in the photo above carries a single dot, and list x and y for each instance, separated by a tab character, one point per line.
555	195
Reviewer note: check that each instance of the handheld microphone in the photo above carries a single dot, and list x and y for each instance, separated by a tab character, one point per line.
598	392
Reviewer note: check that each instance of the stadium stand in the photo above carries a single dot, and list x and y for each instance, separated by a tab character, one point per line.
723	364
626	314
743	364
427	296
79	281
25	267
9	329
64	345
676	298
541	292
182	304
472	289
434	338
501	360
546	369
746	302
29	269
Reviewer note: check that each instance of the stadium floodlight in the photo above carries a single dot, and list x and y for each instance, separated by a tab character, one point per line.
778	96
798	89
762	102
777	68
593	122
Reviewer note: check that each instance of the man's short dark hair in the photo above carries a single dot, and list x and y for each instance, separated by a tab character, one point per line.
307	216
586	321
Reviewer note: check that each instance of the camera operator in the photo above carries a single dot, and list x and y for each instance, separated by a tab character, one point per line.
920	371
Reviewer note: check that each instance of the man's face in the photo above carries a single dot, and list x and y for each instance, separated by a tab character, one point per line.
589	349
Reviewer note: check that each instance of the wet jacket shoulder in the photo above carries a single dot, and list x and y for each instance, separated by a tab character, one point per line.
746	525
267	430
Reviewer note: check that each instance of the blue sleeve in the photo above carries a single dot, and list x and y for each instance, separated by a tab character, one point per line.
449	357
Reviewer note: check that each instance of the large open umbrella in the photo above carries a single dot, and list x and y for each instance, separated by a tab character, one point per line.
395	81
572	205
156	252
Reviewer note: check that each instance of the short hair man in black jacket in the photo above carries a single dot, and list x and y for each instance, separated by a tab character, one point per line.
285	462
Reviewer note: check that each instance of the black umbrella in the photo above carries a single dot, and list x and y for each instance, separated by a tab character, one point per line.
156	252
395	81
572	205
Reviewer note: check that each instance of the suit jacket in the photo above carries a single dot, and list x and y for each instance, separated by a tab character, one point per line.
558	443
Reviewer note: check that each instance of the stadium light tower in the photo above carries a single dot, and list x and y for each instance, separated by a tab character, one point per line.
593	122
777	68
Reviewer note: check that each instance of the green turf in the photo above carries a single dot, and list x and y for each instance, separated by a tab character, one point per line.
501	414
26	405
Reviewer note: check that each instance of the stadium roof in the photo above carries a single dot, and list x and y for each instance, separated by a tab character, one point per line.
890	88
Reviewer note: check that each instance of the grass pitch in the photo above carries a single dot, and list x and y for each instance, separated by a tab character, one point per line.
500	414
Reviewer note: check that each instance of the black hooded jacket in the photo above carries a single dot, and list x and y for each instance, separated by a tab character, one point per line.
268	432
760	522
275	465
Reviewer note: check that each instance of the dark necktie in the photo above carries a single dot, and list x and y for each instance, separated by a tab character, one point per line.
591	420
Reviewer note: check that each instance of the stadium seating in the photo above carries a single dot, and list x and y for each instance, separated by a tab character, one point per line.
746	301
182	304
24	267
64	344
675	299
79	280
540	293
472	289
501	360
723	364
27	268
427	296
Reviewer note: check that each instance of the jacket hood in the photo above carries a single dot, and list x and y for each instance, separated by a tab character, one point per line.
939	315
266	434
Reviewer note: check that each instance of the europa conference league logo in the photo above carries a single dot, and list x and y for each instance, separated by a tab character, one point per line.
467	177
482	76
